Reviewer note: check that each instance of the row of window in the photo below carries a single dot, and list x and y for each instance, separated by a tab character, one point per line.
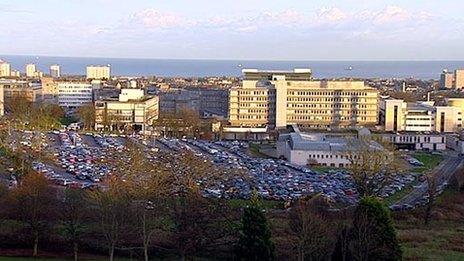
326	93
328	118
307	99
347	112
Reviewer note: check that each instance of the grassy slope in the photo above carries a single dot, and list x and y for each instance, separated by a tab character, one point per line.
443	239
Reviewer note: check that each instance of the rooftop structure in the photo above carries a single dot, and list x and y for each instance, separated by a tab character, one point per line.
320	148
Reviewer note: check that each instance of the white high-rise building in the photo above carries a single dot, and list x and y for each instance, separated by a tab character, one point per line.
55	71
31	70
98	72
5	69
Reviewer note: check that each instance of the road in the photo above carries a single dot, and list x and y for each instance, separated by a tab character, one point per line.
444	170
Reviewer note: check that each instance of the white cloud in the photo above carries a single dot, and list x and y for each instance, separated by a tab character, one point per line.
152	18
247	29
330	15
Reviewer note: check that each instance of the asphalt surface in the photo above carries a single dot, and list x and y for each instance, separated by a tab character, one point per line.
444	170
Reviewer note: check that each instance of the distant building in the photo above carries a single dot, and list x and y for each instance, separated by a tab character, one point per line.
5	69
55	71
14	88
214	102
2	101
325	149
459	79
176	100
49	90
446	80
131	111
97	72
398	115
417	141
31	70
275	99
15	73
73	94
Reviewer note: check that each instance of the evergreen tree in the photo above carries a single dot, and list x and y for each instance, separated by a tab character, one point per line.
373	234
255	235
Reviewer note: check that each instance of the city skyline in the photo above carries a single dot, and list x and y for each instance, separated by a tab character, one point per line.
271	30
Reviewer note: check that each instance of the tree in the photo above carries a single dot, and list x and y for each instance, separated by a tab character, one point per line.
86	114
149	184
73	213
112	205
255	235
312	229
185	122
33	202
432	193
373	236
373	164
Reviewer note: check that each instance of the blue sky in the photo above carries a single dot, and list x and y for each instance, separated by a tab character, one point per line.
235	29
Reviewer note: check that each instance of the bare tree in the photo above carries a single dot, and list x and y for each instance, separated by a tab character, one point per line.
73	213
112	205
313	231
86	114
33	203
373	163
150	184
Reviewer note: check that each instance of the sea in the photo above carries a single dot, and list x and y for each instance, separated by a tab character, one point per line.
200	68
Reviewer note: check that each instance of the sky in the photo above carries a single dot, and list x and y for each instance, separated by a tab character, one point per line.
235	29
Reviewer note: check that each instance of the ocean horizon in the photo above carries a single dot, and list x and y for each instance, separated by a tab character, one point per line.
206	67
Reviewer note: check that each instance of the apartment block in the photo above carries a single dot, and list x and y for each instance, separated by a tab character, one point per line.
446	80
98	72
55	71
459	79
5	69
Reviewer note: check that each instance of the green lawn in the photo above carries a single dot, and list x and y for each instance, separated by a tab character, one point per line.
430	160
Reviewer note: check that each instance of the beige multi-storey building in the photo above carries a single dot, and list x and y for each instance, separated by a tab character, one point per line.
31	70
446	80
132	110
398	116
32	92
97	72
275	99
49	89
5	69
459	79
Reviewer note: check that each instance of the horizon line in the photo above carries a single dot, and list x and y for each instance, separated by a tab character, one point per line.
238	59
